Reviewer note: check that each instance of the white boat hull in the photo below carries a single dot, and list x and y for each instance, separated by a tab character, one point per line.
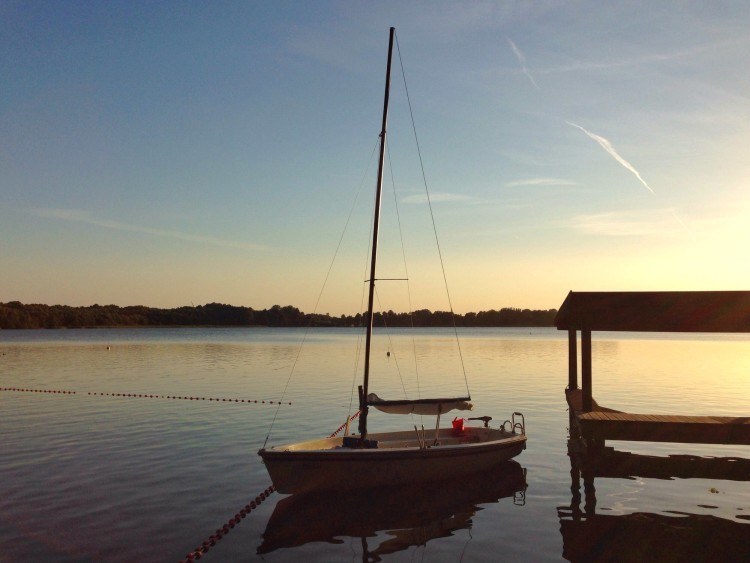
325	464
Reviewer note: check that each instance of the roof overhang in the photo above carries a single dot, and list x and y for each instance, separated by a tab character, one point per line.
656	311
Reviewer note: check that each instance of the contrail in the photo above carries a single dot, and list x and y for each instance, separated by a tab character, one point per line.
522	60
607	146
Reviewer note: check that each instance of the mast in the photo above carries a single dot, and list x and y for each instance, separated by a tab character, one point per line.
363	390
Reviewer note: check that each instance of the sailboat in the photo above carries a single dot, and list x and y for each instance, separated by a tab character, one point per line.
370	460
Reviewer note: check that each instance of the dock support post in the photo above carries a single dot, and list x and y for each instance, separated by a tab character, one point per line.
572	359
586	370
575	484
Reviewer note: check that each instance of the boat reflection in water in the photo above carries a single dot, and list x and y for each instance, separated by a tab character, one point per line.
410	515
642	536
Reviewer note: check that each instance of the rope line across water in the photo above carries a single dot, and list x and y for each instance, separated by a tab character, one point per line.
190	398
199	551
148	396
207	544
20	390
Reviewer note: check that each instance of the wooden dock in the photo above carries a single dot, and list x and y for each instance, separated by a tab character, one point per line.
690	311
664	428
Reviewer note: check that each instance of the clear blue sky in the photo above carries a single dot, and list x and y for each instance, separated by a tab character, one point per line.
167	153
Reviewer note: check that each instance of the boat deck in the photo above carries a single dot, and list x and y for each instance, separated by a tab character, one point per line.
444	439
408	439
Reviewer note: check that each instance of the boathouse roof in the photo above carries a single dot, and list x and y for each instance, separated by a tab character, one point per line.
656	311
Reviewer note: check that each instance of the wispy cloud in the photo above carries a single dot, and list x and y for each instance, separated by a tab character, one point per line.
436	198
522	61
607	146
541	182
82	216
655	222
689	53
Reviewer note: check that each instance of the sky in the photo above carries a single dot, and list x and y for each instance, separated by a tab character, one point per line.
176	153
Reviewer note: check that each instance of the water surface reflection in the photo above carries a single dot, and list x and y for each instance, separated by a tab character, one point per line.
673	535
393	519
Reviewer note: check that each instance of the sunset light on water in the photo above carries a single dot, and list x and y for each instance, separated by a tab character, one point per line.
215	342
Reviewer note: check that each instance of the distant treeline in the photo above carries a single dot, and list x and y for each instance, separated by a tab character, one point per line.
17	315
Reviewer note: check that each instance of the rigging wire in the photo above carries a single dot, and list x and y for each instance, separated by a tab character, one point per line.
390	345
432	216
406	271
320	294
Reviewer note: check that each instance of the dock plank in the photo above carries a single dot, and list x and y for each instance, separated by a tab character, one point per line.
664	428
607	424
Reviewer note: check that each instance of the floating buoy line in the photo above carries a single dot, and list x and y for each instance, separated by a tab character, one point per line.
146	396
210	542
56	391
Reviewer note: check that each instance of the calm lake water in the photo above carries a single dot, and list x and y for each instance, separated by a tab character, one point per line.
86	477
